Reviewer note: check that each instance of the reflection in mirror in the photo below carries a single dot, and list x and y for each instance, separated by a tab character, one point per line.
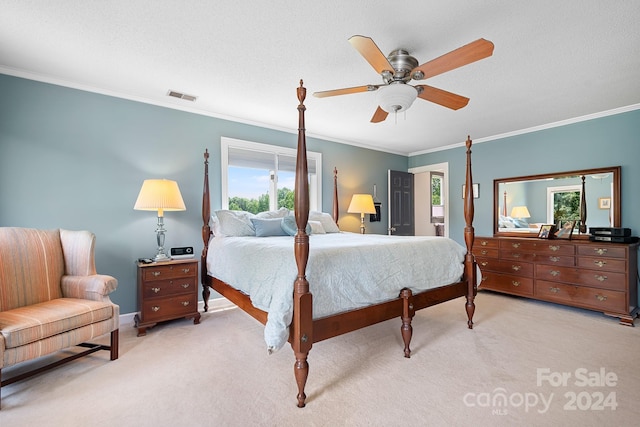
590	198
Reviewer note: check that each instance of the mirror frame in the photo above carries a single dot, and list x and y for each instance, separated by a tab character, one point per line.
616	208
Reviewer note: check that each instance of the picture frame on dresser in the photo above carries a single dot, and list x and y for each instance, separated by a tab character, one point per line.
566	231
546	231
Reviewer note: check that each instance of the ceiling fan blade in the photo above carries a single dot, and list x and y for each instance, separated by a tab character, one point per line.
370	51
345	91
464	55
442	97
379	116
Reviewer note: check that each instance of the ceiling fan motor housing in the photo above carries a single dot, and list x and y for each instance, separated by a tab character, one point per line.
402	64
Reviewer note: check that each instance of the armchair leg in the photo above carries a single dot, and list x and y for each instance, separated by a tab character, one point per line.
114	343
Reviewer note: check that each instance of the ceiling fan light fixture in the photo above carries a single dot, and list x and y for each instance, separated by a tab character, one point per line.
397	97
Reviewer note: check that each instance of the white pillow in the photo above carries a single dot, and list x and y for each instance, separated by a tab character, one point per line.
235	223
215	225
316	227
328	224
280	213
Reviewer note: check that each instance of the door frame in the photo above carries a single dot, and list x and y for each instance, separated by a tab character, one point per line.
440	167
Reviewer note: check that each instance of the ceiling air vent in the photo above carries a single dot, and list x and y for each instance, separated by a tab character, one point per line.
182	96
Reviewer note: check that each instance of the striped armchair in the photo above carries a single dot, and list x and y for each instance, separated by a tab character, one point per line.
51	297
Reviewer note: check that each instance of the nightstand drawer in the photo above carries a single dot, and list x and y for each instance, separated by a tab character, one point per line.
169	308
161	272
163	288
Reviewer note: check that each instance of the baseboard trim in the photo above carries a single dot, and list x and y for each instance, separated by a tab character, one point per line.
215	304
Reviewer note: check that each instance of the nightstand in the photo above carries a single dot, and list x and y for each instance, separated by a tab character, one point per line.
167	290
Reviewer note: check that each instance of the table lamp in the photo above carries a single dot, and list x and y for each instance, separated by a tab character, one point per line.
160	195
362	204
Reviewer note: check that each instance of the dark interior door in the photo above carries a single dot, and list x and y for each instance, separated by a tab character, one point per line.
401	212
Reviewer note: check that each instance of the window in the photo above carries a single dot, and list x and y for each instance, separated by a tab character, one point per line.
259	177
563	204
437	198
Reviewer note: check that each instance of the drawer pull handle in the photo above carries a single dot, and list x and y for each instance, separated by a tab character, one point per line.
554	290
484	263
156	273
483	252
600	278
155	308
515	283
186	270
554	258
484	243
516	255
600	263
554	247
516	267
601	251
186	285
601	297
185	303
554	273
156	290
515	245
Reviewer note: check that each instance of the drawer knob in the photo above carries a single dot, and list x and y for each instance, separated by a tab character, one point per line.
600	278
515	245
554	290
185	303
554	247
515	283
554	273
155	308
554	259
186	285
155	273
600	263
601	251
601	297
516	267
156	290
186	270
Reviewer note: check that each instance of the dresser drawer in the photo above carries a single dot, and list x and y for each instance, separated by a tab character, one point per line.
482	242
506	266
599	299
486	252
554	248
594	278
517	255
505	283
161	272
602	263
518	245
163	288
169	307
563	260
609	251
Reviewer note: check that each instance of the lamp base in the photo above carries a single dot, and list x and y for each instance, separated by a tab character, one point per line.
161	257
361	223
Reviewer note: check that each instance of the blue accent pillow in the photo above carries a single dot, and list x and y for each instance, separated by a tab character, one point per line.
291	228
266	227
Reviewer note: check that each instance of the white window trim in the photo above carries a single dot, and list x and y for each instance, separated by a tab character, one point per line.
315	188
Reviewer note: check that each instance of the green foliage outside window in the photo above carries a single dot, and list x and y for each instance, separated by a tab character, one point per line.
285	199
566	207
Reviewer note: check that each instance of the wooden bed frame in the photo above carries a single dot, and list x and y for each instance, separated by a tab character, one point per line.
304	330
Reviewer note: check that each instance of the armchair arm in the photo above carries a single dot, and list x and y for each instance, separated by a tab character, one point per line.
95	287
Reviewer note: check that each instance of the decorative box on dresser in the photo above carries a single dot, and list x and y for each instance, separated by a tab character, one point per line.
579	273
167	290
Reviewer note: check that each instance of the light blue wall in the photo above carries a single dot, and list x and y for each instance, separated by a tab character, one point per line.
76	160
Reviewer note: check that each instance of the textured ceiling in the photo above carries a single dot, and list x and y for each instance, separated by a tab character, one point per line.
553	60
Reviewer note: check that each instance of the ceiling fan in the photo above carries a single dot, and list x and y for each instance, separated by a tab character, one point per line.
397	69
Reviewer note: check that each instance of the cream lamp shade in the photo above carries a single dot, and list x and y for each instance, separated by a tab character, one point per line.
362	204
520	212
160	195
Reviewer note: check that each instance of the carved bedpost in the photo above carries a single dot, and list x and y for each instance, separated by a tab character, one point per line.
469	235
302	324
336	211
206	232
582	227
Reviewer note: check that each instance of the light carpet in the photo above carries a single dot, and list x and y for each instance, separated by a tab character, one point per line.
508	370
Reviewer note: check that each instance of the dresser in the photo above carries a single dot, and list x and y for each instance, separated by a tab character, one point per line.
579	273
166	290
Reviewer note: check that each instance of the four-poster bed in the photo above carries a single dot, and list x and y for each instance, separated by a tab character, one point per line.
305	328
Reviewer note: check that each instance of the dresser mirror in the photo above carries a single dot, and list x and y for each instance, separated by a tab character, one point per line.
589	198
